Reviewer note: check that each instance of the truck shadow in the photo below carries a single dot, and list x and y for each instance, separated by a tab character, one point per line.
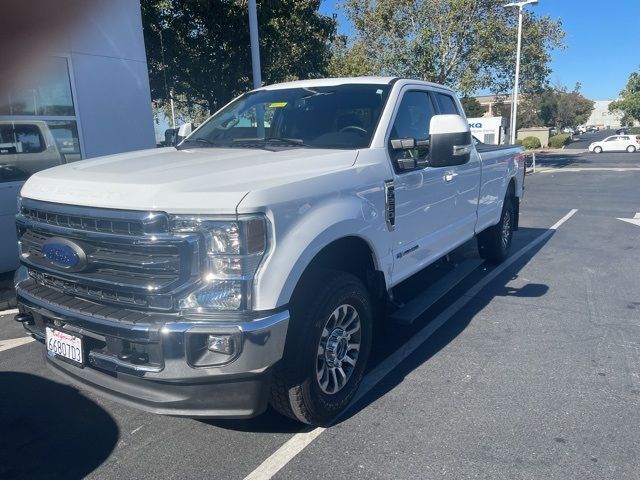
50	430
453	327
561	161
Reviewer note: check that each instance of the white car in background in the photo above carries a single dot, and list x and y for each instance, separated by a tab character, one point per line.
616	143
26	147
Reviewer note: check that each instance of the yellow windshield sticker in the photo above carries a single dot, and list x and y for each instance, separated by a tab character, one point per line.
278	105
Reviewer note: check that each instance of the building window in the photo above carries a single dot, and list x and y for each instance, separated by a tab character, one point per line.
65	133
47	101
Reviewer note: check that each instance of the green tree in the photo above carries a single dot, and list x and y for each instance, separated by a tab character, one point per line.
572	108
472	107
466	44
554	107
346	61
199	49
529	111
629	102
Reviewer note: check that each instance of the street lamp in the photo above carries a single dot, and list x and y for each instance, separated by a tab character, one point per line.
255	48
514	106
255	62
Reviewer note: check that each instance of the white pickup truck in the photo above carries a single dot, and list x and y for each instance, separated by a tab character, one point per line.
249	264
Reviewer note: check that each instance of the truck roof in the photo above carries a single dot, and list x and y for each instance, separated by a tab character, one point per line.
329	82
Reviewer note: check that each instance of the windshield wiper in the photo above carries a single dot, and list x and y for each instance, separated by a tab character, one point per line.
200	140
284	141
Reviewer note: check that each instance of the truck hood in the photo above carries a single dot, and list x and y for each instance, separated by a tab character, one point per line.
199	180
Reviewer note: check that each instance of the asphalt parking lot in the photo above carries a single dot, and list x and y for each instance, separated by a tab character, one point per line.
527	371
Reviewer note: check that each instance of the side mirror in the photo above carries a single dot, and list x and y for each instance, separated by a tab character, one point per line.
184	131
450	141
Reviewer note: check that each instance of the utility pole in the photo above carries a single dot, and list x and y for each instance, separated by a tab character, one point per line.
255	62
173	113
255	46
514	99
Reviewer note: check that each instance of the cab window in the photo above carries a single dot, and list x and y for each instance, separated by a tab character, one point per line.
413	117
447	104
412	122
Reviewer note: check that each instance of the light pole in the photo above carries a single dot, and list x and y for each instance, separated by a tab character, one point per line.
255	48
514	105
255	62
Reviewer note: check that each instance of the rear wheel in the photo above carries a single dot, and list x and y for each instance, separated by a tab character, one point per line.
597	150
327	349
494	244
631	149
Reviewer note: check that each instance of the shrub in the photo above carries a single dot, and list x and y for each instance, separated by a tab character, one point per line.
634	130
518	141
529	143
559	141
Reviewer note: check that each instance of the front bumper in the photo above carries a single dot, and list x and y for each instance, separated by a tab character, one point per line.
169	373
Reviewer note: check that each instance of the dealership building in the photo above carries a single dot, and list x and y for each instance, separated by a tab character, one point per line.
90	98
93	95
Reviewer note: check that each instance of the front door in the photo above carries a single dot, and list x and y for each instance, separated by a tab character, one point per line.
424	199
612	144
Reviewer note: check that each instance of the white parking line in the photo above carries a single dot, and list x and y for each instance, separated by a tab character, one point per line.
8	312
586	169
284	455
14	342
299	441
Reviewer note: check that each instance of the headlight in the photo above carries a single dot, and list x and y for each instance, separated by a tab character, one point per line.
234	249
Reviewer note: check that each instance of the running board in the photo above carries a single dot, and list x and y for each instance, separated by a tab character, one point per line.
410	311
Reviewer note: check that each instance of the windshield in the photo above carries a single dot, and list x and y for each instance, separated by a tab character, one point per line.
342	116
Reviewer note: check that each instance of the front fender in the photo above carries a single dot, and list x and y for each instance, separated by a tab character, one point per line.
312	229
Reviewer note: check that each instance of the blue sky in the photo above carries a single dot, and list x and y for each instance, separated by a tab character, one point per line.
601	39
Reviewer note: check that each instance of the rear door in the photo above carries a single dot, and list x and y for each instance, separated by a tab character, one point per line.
626	141
465	180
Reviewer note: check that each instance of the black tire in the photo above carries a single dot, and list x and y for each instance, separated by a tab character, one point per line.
631	149
296	391
597	150
494	243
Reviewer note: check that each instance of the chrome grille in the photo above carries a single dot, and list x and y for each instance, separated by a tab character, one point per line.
131	257
112	222
75	288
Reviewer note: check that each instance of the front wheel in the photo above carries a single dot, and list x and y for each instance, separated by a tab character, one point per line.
494	243
631	149
327	349
597	150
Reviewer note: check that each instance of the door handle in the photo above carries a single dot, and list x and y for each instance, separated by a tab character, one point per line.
459	150
449	176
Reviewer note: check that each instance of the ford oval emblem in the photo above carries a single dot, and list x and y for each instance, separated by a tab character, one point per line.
64	253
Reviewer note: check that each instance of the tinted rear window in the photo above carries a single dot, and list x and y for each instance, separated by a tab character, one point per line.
447	104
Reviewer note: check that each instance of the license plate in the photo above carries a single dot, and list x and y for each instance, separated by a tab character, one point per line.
64	346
